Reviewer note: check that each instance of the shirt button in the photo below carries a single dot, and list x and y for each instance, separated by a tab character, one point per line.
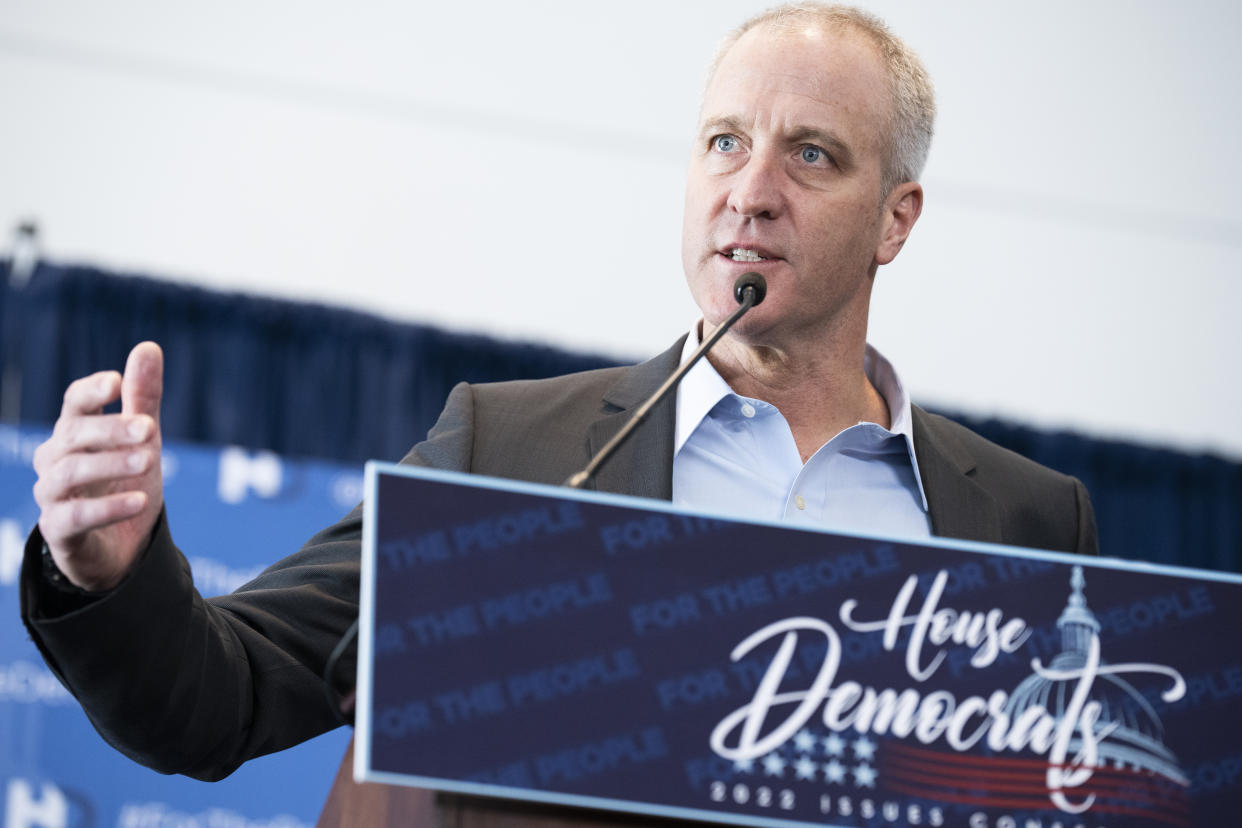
800	501
748	410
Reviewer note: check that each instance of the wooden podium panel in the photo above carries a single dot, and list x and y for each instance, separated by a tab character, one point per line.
353	803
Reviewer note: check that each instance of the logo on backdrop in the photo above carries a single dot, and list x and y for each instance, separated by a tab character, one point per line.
166	815
30	804
12	546
242	473
347	489
1099	740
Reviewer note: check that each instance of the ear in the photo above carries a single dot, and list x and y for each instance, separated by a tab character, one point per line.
901	210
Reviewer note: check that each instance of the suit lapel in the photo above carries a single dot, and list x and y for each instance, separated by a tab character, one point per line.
960	508
643	465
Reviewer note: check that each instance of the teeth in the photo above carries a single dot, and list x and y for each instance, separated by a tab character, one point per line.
743	255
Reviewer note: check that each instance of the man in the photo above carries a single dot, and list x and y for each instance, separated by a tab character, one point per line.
814	128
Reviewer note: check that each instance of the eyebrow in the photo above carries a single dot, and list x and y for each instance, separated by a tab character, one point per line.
798	135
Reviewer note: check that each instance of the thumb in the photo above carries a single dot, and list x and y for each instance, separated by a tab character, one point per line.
142	386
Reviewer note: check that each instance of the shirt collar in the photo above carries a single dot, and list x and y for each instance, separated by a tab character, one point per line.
698	393
703	387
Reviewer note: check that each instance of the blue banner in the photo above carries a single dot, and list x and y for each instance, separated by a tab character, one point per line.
232	513
541	644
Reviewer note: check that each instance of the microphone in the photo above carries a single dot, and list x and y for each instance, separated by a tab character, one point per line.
749	290
748	284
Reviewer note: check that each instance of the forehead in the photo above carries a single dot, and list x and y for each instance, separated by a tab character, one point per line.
830	78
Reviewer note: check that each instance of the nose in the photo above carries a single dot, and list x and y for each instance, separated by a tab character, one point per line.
756	188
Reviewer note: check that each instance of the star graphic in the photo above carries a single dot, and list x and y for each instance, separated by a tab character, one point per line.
864	776
804	741
864	748
744	765
834	772
773	765
834	745
806	768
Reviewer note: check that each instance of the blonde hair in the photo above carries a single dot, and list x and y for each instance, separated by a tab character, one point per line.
914	100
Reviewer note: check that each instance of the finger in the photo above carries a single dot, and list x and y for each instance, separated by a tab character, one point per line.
76	471
71	518
90	394
143	384
98	433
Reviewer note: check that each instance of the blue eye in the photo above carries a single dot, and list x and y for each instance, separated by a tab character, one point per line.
725	143
812	155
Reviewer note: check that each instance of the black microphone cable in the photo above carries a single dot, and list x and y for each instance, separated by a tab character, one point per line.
748	290
336	700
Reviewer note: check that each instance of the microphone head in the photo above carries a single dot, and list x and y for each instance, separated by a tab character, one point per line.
753	282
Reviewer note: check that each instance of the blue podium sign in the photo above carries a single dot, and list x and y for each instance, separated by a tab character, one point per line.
543	644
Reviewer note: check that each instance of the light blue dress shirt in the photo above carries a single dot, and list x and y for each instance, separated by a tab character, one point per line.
735	455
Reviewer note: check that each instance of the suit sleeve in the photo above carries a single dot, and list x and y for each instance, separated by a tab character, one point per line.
194	686
1088	537
197	686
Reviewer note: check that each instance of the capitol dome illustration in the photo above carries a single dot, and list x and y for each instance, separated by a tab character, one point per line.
1136	739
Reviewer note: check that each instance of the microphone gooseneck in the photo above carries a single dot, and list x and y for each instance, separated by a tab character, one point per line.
749	290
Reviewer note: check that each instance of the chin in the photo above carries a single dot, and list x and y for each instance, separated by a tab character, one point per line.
752	329
714	303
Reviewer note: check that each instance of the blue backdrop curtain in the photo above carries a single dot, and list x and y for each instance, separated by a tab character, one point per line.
304	379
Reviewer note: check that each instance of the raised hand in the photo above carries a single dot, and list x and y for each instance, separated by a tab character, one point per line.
100	485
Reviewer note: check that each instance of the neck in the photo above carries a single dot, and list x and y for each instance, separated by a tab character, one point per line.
820	388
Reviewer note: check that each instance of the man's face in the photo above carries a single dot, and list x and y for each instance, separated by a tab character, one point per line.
787	166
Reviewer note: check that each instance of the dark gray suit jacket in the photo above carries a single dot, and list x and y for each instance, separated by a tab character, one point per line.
545	430
194	686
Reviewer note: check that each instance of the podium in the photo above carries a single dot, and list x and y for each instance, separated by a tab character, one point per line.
353	803
545	659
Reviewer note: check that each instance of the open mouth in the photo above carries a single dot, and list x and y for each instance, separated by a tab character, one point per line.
747	255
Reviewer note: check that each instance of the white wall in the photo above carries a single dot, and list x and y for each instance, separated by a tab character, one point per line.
517	169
